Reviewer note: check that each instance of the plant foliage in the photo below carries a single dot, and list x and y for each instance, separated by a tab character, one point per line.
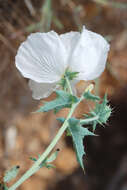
78	133
63	100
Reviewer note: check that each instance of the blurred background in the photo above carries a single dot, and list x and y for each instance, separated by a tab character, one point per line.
23	134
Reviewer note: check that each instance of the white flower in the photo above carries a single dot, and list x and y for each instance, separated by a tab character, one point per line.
44	57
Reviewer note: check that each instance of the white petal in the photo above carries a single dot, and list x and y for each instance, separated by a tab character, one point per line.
89	56
70	40
41	90
42	57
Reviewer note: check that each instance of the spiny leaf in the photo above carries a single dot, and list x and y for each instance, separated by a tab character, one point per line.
88	96
103	111
63	100
78	133
11	174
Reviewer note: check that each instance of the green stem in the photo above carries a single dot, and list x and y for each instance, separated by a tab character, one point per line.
36	165
68	85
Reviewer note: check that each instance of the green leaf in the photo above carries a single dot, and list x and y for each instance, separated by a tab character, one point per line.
78	133
88	96
52	157
33	159
63	100
11	174
43	164
46	162
103	111
60	119
71	75
49	166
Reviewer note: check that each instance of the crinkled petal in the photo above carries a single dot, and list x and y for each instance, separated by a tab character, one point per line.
89	56
42	57
41	90
70	40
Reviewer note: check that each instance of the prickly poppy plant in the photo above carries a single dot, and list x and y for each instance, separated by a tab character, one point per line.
56	63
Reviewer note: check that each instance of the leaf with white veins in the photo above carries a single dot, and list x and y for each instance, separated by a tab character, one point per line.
63	100
78	133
